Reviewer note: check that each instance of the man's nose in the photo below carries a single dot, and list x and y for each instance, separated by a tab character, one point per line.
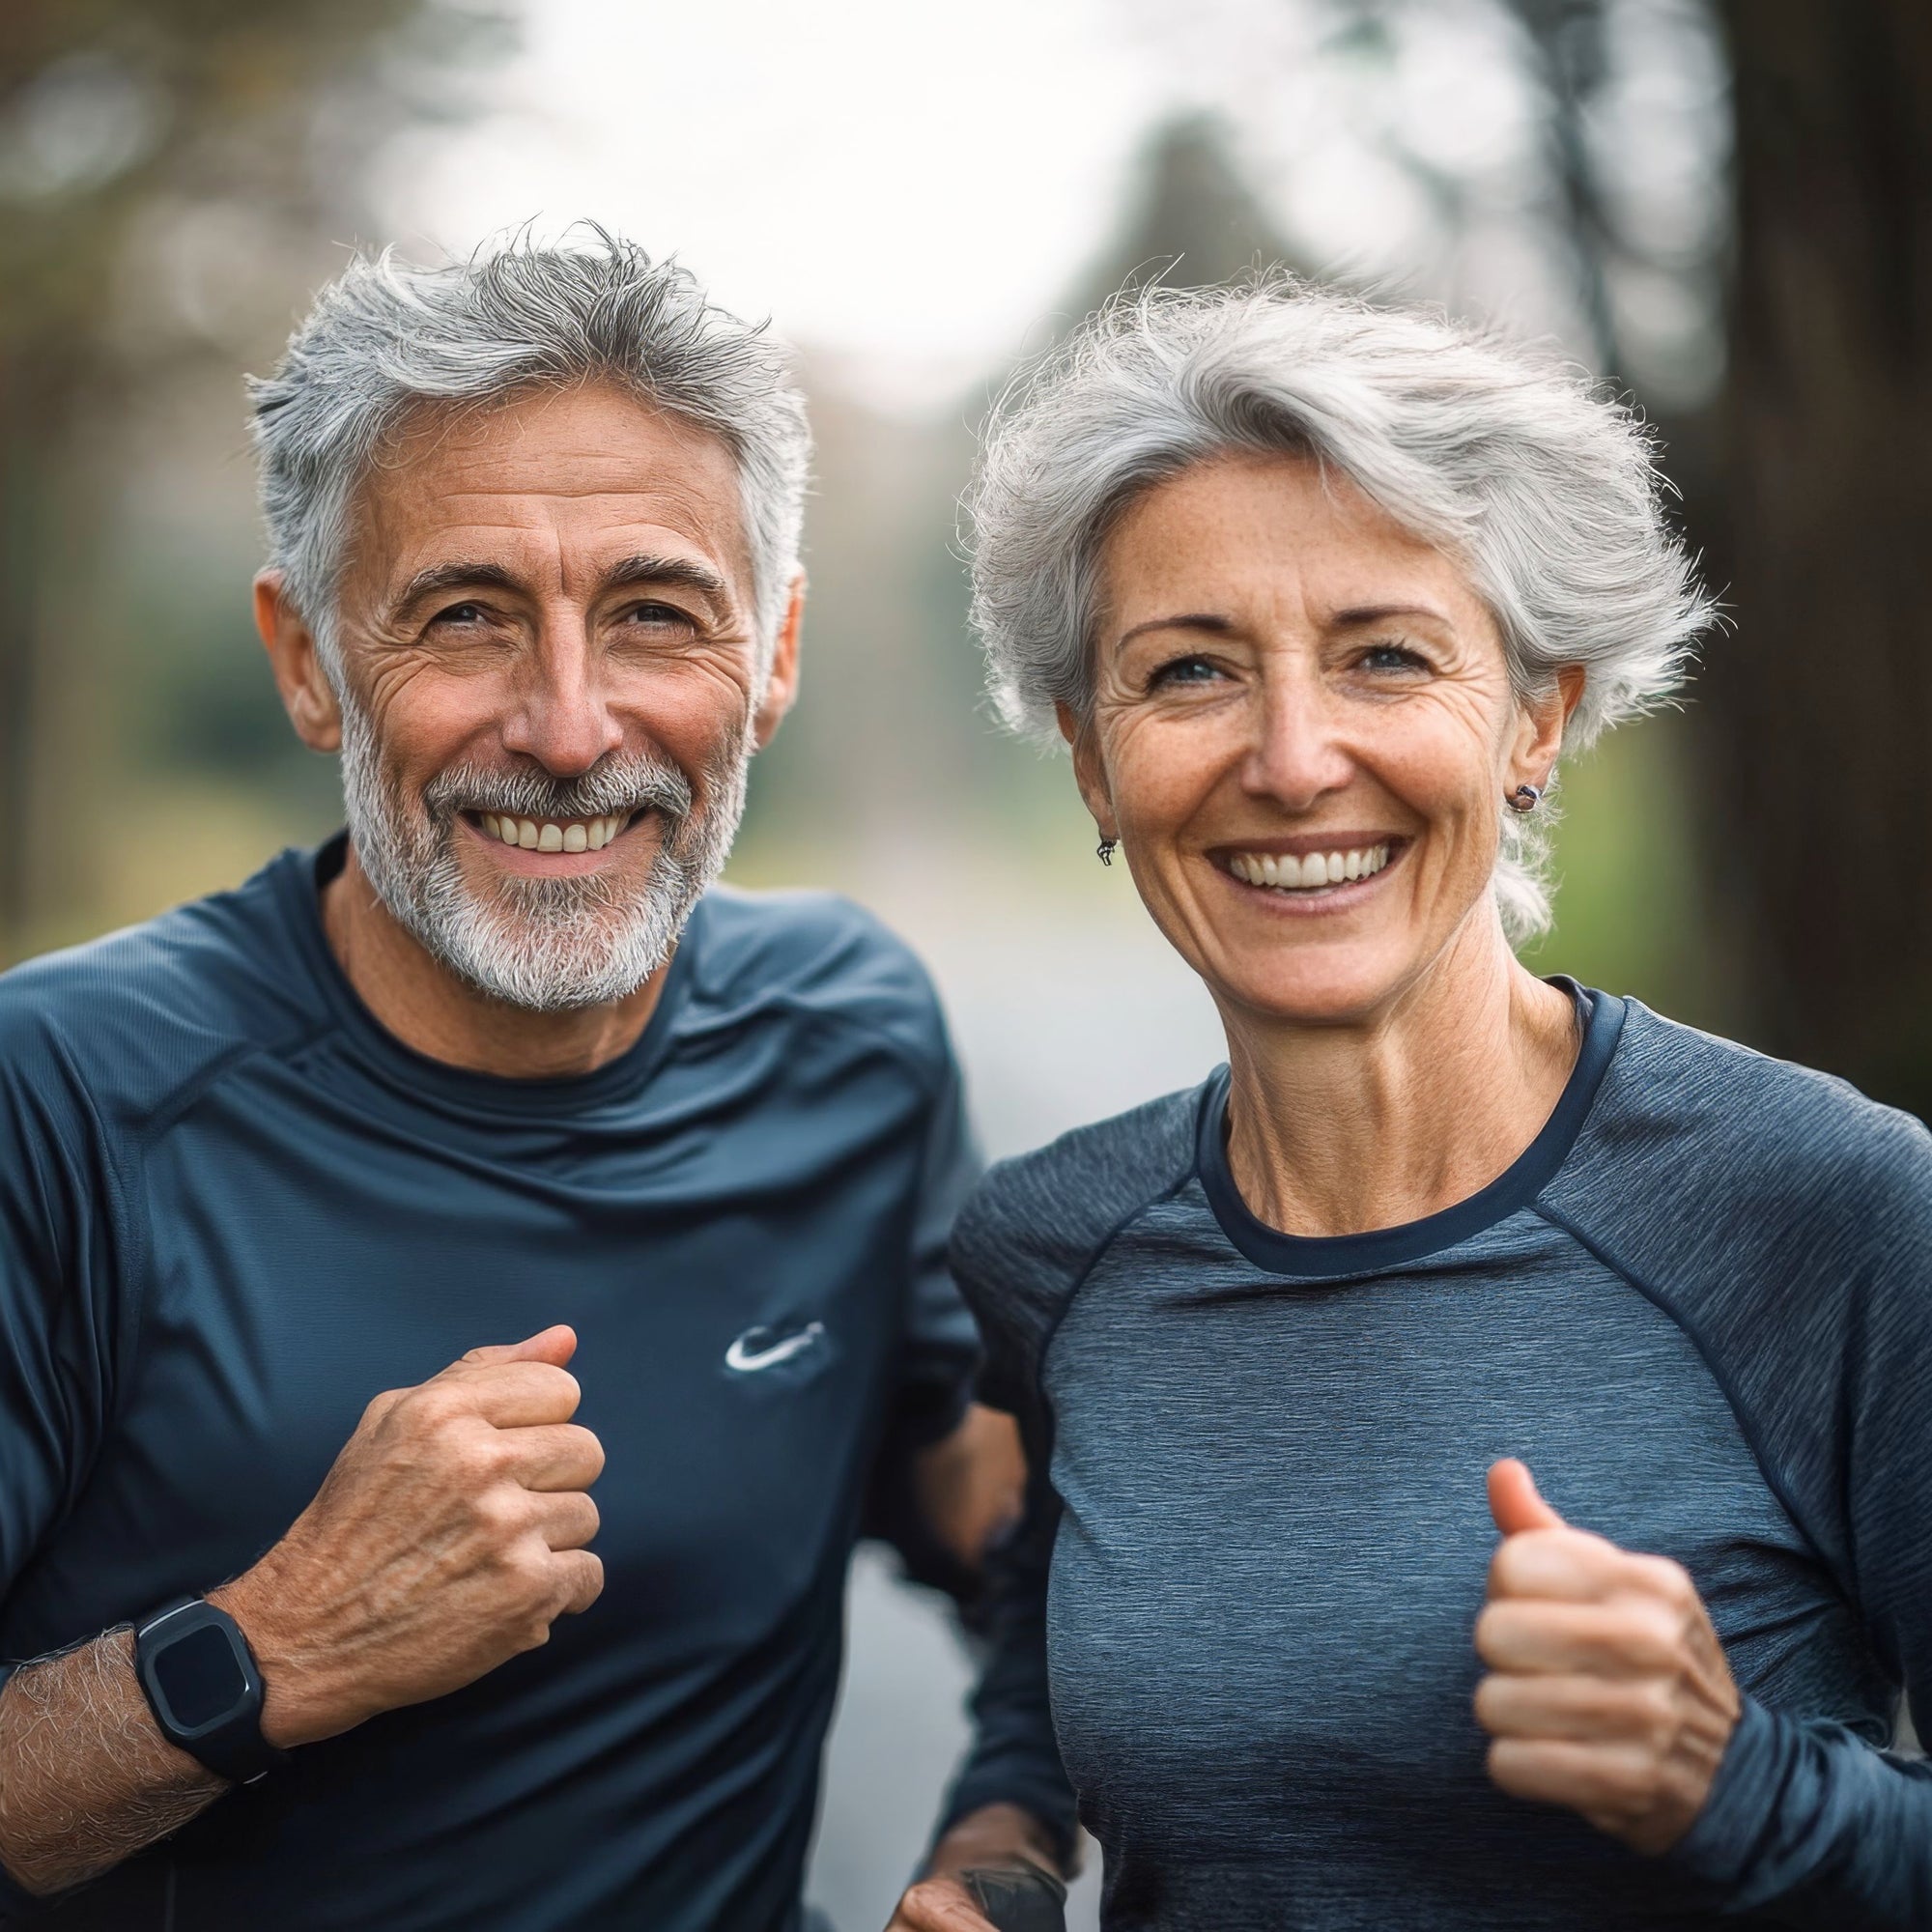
561	715
1296	753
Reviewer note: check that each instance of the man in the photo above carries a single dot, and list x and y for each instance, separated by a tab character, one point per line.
354	1224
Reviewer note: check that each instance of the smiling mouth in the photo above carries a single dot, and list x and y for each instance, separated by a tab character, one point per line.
552	835
1311	874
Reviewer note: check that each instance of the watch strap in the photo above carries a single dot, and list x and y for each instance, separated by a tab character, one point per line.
233	1748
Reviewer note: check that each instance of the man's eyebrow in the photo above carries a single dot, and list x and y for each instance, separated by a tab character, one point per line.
456	575
645	568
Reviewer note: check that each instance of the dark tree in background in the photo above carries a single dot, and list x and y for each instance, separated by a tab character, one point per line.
1817	717
171	175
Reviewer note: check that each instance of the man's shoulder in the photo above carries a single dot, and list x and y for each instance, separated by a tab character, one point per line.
129	1020
1035	1223
816	956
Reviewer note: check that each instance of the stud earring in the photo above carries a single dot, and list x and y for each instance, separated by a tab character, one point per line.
1525	798
1104	851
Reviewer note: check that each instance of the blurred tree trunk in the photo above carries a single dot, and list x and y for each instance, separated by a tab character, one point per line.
1816	718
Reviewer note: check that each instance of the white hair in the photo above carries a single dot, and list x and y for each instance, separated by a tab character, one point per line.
1546	493
385	339
545	945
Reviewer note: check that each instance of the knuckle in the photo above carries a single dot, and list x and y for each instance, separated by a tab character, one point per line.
1493	1626
1488	1703
501	1512
1672	1583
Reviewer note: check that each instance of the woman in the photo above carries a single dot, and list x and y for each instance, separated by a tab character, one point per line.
1317	593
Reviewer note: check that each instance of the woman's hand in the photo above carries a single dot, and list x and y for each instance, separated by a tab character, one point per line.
1610	1691
996	1837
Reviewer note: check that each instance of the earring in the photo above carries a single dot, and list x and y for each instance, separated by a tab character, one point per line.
1525	798
1104	851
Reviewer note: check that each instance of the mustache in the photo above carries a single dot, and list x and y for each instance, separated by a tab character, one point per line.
615	787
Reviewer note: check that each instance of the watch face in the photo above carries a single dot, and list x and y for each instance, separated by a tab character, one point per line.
199	1676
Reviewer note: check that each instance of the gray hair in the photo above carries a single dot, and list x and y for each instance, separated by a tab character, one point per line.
386	338
1546	493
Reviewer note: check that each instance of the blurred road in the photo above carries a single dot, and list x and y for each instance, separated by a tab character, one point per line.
1060	1015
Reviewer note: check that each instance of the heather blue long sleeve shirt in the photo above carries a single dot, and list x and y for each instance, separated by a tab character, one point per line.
1700	1306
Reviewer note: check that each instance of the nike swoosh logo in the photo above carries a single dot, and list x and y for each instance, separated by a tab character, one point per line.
748	1361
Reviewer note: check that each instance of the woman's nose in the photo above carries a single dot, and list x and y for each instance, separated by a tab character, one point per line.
1296	753
561	715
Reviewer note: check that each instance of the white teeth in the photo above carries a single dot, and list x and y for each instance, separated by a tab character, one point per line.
577	834
1288	873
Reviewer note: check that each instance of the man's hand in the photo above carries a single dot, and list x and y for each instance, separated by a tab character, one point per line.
998	1837
1611	1693
447	1537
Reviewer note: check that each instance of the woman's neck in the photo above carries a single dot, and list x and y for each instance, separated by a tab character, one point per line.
1338	1129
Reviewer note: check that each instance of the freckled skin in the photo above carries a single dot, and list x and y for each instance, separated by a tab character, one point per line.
557	667
1288	718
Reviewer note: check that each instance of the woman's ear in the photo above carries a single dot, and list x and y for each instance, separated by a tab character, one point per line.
1541	723
307	695
1089	773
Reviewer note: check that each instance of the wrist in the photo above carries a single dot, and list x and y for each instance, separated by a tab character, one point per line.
296	1704
995	1836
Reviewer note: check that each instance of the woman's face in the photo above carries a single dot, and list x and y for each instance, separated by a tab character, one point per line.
1303	733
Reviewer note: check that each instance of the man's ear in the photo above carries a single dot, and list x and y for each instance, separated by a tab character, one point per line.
1089	773
781	690
307	695
1544	721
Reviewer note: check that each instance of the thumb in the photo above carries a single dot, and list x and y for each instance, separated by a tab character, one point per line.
554	1346
1513	1500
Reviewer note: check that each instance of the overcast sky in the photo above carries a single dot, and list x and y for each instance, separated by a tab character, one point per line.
911	186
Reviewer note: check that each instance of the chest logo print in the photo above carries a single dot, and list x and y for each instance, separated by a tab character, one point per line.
754	1350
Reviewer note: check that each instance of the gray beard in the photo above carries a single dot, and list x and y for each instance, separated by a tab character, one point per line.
548	945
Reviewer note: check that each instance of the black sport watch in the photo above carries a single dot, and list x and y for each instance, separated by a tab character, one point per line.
202	1685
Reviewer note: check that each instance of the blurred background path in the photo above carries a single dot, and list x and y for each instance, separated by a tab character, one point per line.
1721	207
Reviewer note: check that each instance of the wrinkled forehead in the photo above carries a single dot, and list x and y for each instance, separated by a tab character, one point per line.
559	483
1246	529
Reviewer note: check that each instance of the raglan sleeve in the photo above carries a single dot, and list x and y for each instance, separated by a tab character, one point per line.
1808	1821
59	1262
1015	1755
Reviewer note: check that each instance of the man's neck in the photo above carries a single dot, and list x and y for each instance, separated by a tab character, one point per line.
429	1009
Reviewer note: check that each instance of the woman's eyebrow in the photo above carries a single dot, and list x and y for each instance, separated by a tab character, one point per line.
1381	613
1193	620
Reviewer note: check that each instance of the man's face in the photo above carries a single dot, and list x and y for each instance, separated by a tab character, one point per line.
551	688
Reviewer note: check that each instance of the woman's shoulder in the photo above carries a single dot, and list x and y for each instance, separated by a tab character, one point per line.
1035	1223
1737	1119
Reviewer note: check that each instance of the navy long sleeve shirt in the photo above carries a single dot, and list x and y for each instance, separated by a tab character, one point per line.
1700	1306
233	1208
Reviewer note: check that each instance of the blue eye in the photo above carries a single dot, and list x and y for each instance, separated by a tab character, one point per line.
1184	670
461	613
1387	655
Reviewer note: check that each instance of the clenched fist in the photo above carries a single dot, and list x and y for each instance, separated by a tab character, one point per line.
1610	1691
447	1537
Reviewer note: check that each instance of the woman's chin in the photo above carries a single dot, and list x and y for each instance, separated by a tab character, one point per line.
1333	991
